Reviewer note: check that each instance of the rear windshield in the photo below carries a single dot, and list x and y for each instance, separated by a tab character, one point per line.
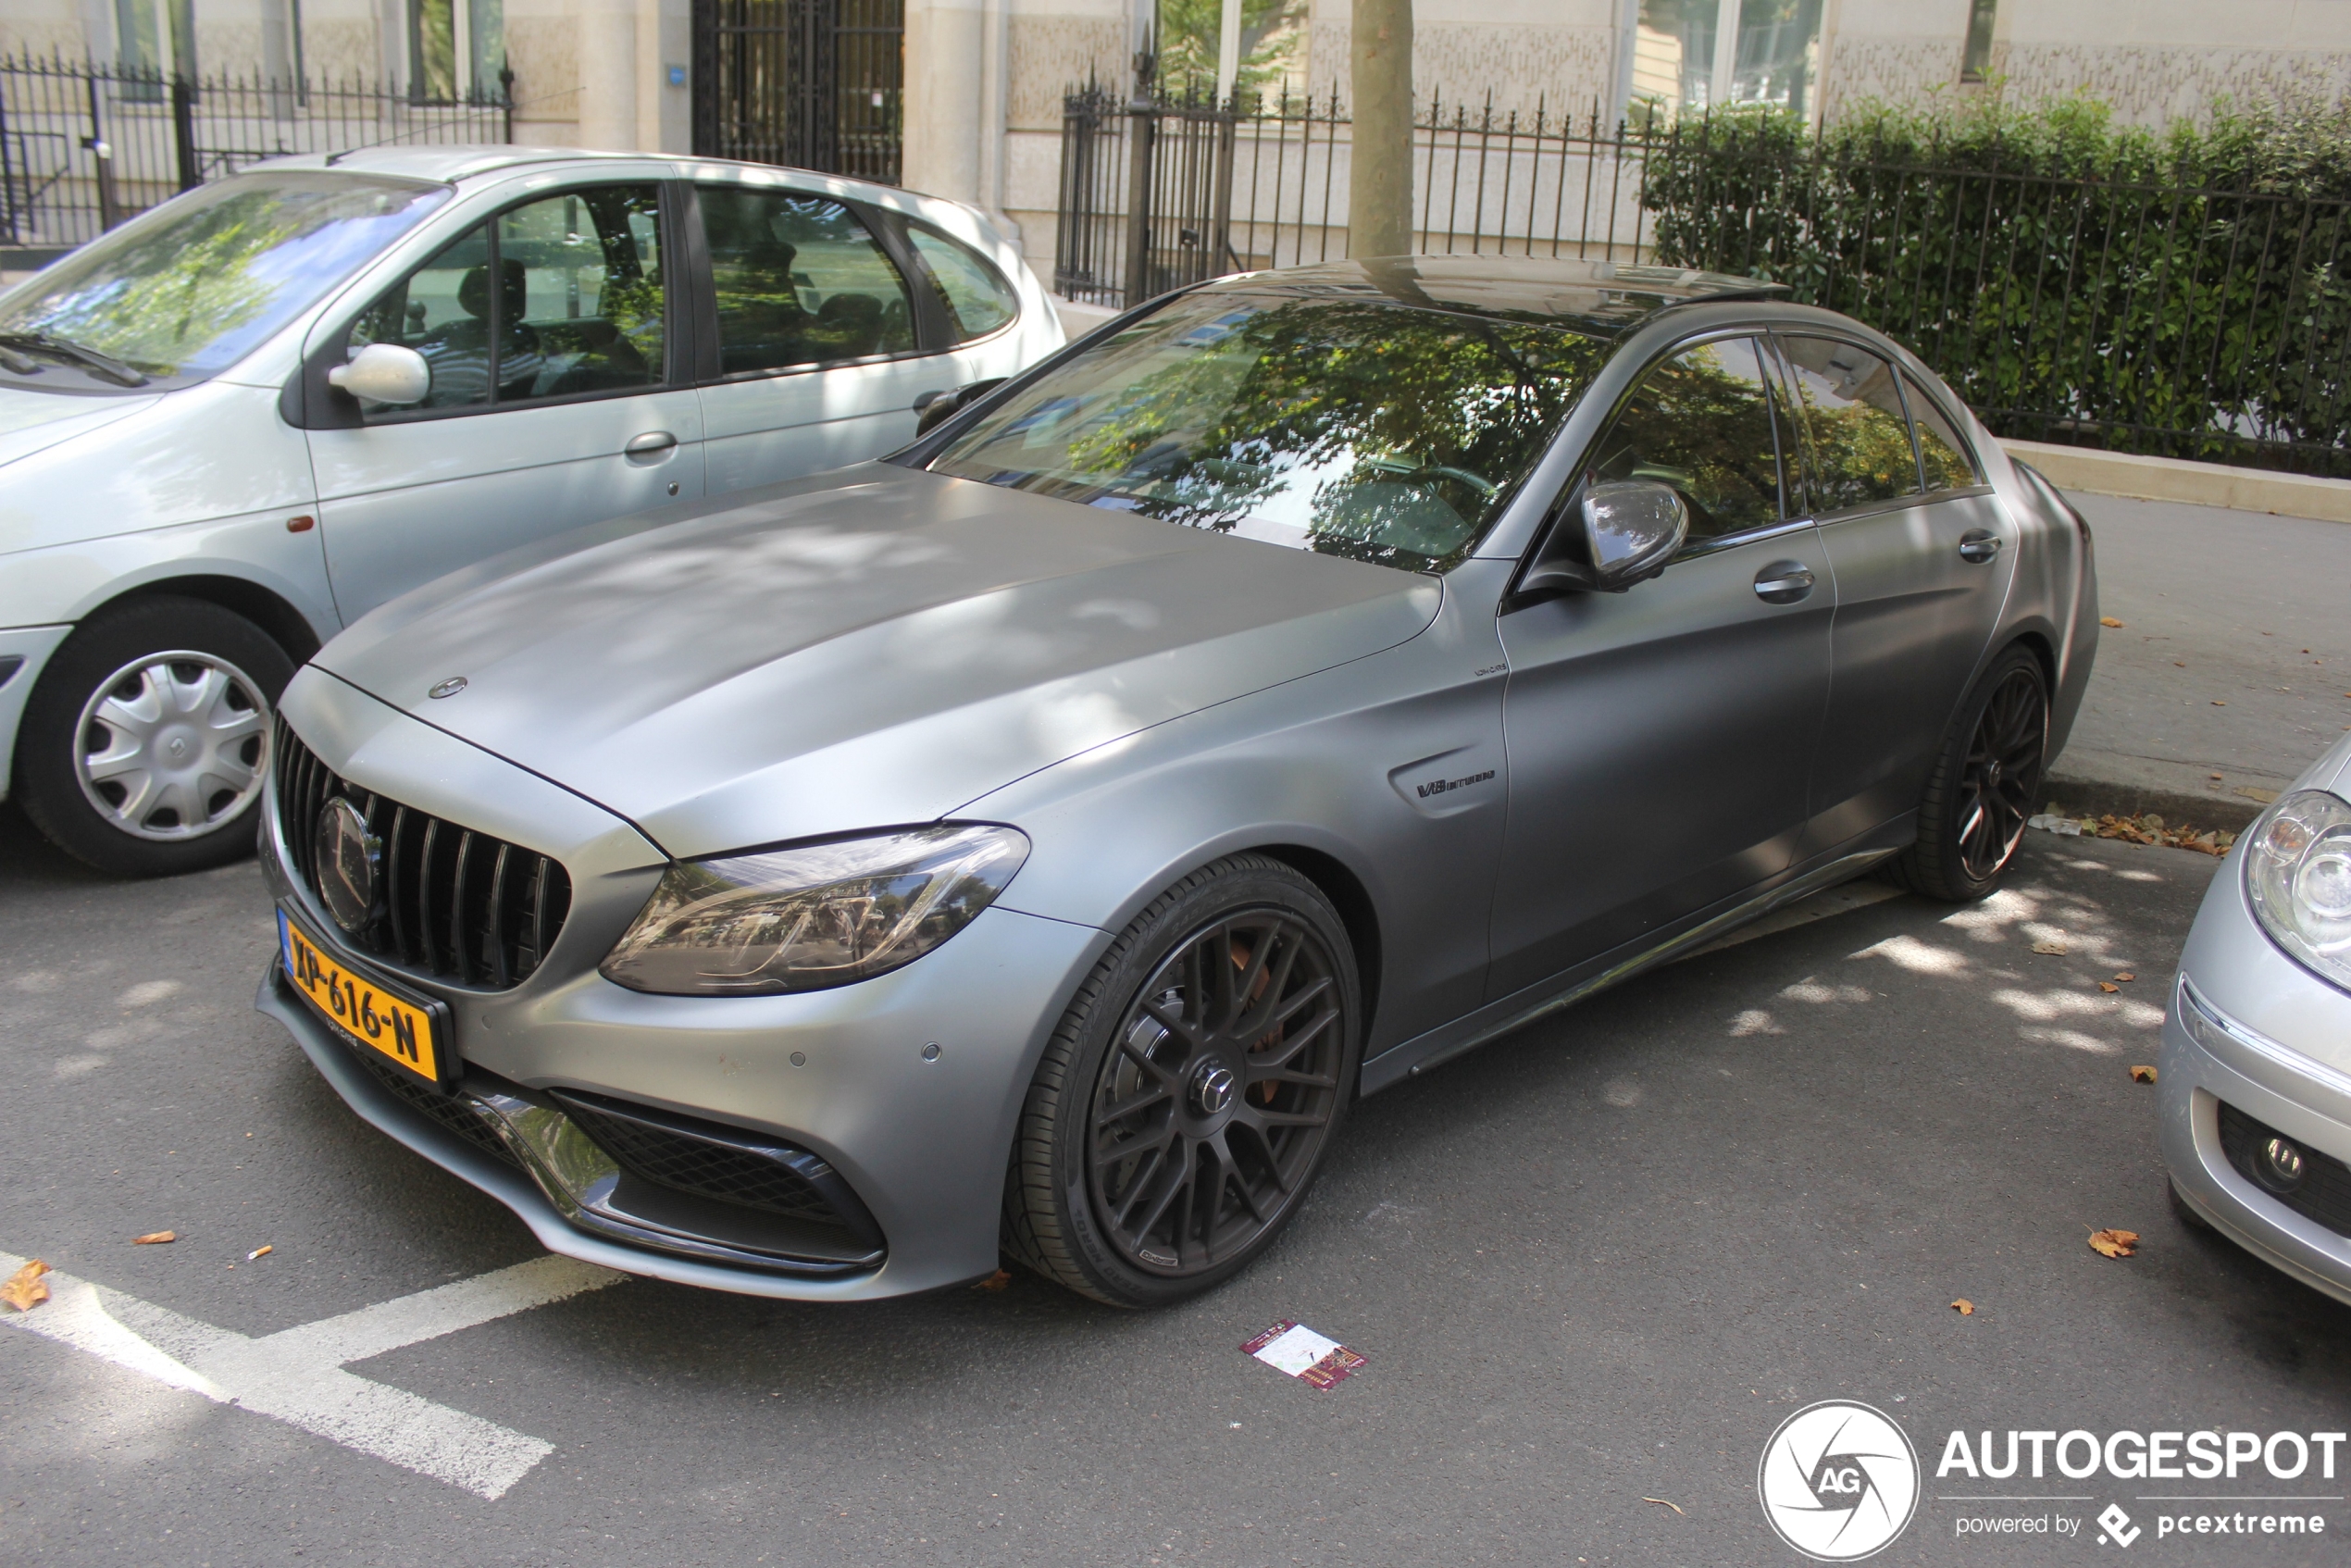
186	291
1377	431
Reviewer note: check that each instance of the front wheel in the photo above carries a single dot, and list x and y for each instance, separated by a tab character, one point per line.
1973	815
141	749
1187	1101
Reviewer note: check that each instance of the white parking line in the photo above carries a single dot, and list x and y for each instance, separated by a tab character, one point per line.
296	1375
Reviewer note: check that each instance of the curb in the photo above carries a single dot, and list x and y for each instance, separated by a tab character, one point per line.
2198	484
2093	797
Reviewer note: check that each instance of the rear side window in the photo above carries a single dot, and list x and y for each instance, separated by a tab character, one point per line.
1851	407
1943	457
1701	422
978	299
799	280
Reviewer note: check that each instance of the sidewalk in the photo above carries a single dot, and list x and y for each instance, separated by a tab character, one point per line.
2234	658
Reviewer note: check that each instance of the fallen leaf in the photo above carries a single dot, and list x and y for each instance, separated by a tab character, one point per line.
2108	620
2114	1243
1964	1307
154	1238
2143	1074
2125	976
1674	1506
995	1281
261	1251
2216	778
2218	703
2108	987
2181	663
2054	950
24	1290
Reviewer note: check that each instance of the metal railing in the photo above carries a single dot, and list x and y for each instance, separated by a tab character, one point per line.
2122	311
85	145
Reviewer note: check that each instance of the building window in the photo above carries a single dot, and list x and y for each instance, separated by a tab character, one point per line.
456	49
1976	60
1690	55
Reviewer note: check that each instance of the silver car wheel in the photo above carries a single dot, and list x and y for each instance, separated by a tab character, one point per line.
170	746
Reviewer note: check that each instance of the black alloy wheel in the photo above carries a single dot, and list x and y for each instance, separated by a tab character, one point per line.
1201	1112
1982	790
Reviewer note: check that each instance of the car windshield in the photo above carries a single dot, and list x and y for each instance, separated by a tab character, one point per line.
184	291
1382	432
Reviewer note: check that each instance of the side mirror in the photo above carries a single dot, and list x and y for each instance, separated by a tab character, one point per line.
932	408
1627	531
384	373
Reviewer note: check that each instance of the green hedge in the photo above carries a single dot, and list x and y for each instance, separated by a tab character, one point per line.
2186	294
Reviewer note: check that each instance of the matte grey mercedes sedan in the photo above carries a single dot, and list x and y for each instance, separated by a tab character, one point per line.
1032	843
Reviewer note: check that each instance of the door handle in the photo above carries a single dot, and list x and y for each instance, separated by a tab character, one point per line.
1979	545
1783	582
649	443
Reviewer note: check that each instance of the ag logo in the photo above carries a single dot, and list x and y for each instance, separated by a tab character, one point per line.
1839	1481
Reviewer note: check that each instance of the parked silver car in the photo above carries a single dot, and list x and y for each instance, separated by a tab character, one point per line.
237	423
1298	682
2255	1078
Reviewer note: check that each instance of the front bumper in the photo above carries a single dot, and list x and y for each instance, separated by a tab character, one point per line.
920	1137
2274	1046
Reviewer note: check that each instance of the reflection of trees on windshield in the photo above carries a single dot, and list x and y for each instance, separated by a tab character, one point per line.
203	283
1372	431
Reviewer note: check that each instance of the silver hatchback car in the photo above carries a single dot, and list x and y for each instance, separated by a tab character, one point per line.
1035	840
2256	1072
237	423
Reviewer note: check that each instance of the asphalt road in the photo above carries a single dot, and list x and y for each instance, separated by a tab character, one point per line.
1592	1265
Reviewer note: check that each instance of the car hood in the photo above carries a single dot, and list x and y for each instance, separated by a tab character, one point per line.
877	646
34	421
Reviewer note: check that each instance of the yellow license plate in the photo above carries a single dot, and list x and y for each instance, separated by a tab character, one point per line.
362	1011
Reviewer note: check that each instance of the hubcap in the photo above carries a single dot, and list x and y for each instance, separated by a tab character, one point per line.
170	746
2002	772
1216	1098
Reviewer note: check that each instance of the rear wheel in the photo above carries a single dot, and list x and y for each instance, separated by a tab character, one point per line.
141	749
1191	1093
1973	815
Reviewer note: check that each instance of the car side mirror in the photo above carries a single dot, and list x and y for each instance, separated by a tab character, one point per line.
1626	530
384	373
932	408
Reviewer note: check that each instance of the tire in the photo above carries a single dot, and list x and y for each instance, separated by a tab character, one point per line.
1971	816
1218	1164
141	748
2186	1215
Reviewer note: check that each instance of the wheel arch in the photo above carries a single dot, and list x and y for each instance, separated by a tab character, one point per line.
267	609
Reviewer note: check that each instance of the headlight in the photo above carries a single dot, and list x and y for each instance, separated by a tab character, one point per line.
804	918
2297	871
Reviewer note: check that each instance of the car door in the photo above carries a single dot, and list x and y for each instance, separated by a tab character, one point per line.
817	346
1922	551
1660	738
559	395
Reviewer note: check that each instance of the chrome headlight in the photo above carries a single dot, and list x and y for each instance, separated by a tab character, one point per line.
813	915
2297	871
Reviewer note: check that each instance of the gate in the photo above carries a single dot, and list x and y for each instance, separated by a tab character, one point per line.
811	84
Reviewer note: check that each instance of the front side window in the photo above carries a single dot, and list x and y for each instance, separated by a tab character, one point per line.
1701	423
799	281
186	291
1942	456
1371	431
1852	413
555	298
978	299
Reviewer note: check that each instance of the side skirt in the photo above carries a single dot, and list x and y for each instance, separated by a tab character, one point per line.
1413	1057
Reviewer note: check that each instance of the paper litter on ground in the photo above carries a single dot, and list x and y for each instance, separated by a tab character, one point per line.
1291	1346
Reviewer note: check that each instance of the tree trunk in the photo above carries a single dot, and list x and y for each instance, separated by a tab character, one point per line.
1379	189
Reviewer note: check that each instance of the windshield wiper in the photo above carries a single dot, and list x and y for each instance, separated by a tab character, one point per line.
11	360
107	365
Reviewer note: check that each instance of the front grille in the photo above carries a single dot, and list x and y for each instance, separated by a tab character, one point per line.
722	1164
2325	1192
452	904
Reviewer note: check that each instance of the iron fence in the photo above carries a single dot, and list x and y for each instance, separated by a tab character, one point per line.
810	83
2129	312
85	145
